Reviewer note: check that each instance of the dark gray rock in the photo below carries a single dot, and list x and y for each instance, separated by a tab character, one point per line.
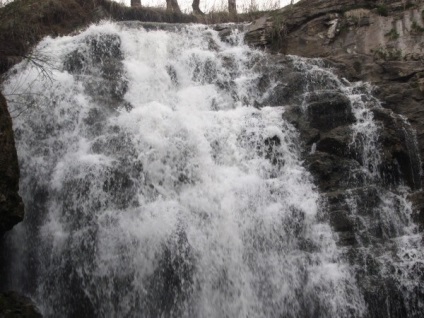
332	172
289	90
401	159
308	134
329	110
364	45
337	141
11	205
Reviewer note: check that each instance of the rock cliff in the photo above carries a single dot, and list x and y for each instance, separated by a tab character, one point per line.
380	42
363	40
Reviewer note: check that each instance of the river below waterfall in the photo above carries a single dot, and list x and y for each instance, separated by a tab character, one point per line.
161	178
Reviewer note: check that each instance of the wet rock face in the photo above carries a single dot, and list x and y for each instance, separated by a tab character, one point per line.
379	42
328	110
401	153
323	115
11	206
326	114
336	161
364	40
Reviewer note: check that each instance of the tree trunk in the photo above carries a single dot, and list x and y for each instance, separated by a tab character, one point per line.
135	3
232	9
196	8
172	6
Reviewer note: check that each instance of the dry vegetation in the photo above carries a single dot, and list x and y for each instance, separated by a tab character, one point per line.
24	22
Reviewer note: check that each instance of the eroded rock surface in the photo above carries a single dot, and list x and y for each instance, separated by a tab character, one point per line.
369	40
373	41
342	126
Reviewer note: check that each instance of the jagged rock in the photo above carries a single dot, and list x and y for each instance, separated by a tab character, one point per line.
295	116
337	142
341	217
11	206
332	172
289	90
405	99
365	40
401	70
354	27
401	159
329	110
257	34
353	207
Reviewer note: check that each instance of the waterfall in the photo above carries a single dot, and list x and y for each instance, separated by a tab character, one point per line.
162	177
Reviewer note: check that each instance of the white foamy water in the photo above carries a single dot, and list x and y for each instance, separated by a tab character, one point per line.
154	188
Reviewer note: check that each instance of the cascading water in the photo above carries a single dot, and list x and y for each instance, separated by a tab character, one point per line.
158	182
389	254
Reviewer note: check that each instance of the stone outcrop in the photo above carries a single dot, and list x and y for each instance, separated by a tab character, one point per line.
323	113
377	41
366	40
11	206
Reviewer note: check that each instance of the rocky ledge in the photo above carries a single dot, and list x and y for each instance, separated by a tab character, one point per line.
363	40
372	41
